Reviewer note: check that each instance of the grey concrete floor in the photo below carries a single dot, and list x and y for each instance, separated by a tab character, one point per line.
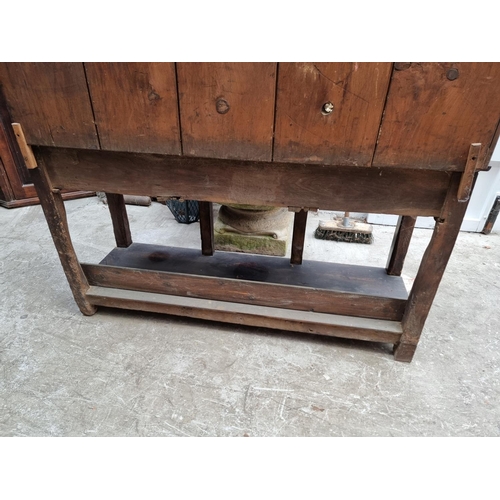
121	373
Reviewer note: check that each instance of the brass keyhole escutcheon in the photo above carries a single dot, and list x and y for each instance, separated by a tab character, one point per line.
222	106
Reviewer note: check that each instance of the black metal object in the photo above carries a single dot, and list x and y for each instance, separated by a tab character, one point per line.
185	212
490	222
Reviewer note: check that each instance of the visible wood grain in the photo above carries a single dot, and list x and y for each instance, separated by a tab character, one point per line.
6	192
11	155
347	135
52	103
28	157
55	214
207	227
119	218
356	189
430	121
491	148
245	314
135	106
26	202
299	234
467	180
315	286
400	245
431	271
242	291
227	109
364	280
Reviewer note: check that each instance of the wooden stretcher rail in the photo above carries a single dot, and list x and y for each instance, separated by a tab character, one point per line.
247	314
358	189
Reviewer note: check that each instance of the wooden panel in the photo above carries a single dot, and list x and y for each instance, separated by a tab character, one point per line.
347	135
246	292
356	189
227	109
135	106
244	314
51	102
430	121
10	153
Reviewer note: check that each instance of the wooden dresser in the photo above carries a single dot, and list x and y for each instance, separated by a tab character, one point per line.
395	138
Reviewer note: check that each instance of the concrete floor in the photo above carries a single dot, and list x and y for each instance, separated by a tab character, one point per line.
122	373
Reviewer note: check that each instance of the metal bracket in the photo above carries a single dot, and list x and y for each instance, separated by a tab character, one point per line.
26	151
465	187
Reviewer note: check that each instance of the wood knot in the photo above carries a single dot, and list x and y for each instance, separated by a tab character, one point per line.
222	106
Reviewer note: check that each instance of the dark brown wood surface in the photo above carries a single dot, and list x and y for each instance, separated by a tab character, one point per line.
246	314
355	189
135	106
400	245
266	293
51	102
364	280
298	236
431	271
468	176
347	135
207	227
55	214
119	218
10	154
430	121
227	109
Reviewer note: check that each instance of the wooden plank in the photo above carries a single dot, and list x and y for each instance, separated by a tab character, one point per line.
345	136
207	227
299	234
10	153
52	103
28	157
467	180
244	314
346	278
400	245
227	109
119	218
135	106
55	214
246	292
430	272
355	189
26	202
430	120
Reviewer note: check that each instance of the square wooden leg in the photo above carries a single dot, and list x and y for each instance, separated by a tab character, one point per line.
121	227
